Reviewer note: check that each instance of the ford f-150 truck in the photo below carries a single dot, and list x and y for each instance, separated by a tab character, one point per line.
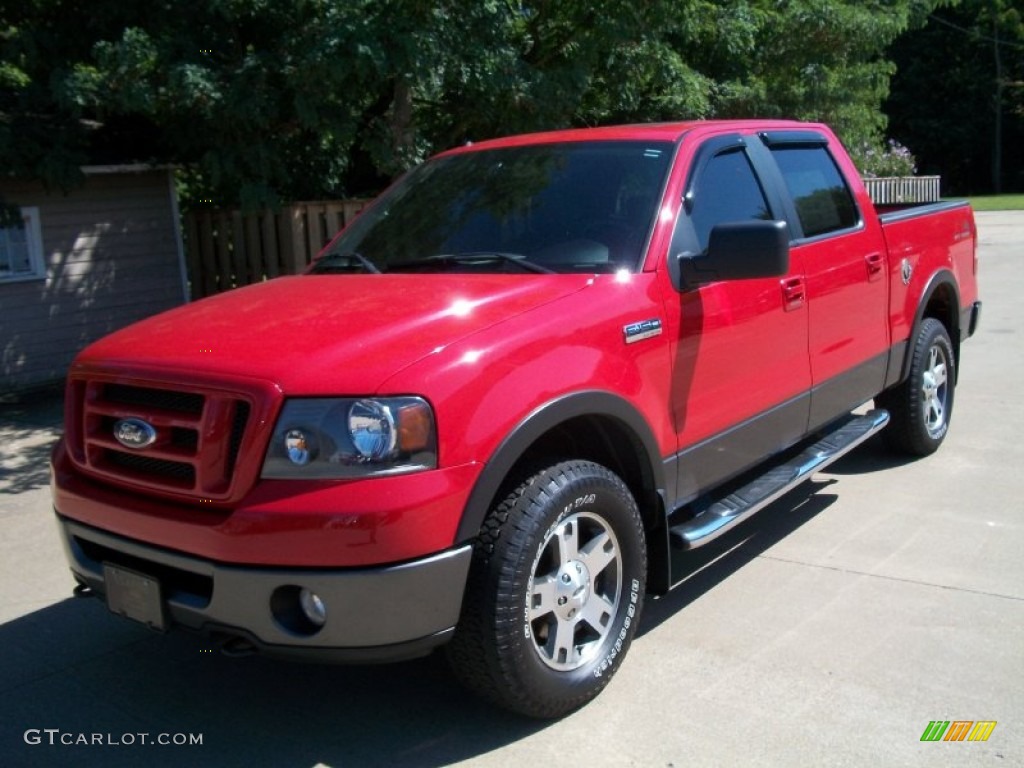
504	403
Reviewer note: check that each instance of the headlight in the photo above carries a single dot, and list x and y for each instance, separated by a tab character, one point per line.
372	428
343	437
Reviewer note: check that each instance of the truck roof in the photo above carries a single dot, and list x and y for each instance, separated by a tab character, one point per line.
671	131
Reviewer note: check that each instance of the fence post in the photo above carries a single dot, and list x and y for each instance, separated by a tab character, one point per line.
195	271
207	257
271	253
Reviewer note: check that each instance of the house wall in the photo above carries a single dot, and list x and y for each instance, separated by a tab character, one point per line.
113	256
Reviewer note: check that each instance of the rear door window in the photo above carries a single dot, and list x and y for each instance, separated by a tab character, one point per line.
823	202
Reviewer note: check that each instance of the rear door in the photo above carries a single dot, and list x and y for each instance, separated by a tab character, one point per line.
844	256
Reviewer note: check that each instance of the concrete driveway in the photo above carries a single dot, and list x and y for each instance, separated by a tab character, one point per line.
832	629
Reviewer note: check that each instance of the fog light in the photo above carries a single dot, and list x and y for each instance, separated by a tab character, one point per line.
313	607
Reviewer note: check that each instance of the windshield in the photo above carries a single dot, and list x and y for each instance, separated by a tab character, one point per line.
576	207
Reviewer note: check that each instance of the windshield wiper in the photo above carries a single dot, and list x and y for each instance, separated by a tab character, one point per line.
519	261
473	257
331	263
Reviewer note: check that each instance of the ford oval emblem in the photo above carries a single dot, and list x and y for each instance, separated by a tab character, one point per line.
134	433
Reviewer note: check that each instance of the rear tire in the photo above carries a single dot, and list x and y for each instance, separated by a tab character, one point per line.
921	407
554	592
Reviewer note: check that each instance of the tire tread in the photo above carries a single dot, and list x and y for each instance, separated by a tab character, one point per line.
482	654
906	433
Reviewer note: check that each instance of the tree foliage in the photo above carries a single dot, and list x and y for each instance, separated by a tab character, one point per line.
958	96
262	100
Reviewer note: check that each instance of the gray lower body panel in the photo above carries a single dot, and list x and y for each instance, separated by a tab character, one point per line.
372	614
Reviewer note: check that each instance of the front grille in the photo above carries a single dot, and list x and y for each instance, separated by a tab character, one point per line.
176	473
161	399
237	431
198	439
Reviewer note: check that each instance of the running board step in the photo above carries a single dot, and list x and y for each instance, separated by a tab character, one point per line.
723	514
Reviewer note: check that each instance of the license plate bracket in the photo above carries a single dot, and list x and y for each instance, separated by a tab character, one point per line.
135	595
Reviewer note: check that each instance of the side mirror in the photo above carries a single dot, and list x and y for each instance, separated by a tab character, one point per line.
739	251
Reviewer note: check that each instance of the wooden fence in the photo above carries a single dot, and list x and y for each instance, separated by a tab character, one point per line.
228	249
903	189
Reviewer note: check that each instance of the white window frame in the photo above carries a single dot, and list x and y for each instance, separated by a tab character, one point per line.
34	241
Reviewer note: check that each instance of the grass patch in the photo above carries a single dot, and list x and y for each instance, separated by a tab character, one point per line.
998	203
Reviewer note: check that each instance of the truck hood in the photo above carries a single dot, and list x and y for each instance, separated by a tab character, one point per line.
326	334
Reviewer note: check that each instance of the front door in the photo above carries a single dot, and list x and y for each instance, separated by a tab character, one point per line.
742	376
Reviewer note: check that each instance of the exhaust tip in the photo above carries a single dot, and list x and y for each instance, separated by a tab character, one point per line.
83	590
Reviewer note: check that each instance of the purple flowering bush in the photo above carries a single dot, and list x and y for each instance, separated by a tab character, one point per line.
889	159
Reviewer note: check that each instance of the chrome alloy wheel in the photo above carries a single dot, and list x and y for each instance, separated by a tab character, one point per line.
935	391
574	591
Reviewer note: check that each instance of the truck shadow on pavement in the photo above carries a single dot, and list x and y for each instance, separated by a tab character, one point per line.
874	456
74	668
713	563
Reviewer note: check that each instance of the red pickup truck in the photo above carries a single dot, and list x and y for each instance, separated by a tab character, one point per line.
503	404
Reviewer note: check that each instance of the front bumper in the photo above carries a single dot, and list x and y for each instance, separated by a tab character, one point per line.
372	614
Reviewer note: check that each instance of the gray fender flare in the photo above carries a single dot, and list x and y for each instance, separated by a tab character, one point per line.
539	422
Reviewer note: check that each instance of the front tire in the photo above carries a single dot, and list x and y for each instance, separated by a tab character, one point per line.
554	593
921	407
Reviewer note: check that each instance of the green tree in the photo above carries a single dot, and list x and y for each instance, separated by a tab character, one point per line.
958	95
825	60
263	100
39	42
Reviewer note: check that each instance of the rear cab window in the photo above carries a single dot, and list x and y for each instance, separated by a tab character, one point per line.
823	201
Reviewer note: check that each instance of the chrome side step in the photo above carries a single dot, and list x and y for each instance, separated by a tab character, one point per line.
723	514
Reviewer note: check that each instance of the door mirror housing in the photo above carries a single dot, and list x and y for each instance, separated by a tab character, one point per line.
739	250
